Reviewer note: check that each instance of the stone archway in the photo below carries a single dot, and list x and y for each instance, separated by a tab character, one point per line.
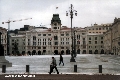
90	51
33	52
67	51
84	51
102	51
29	53
62	52
39	52
23	52
96	51
56	52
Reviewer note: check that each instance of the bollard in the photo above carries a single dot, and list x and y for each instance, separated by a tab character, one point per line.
100	68
75	68
27	68
3	68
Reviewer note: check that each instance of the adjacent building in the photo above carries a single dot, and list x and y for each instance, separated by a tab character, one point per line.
95	38
112	38
4	39
95	43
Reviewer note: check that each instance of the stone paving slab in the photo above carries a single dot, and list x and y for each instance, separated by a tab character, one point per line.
86	64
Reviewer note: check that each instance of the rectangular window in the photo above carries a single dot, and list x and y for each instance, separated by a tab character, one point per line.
101	42
44	47
95	42
49	34
62	47
55	27
62	34
39	47
12	40
101	37
67	34
44	34
34	37
12	43
39	34
89	38
89	42
95	38
34	43
56	43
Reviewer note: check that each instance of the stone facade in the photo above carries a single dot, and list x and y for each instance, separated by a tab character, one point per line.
4	39
18	40
95	43
112	38
115	30
57	39
95	37
107	42
54	40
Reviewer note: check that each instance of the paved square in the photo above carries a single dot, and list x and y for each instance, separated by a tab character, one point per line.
86	64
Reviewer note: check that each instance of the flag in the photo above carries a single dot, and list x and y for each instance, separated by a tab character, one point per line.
56	7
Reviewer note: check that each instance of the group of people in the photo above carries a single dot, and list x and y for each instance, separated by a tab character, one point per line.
54	64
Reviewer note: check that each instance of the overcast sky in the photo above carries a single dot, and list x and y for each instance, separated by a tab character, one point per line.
41	12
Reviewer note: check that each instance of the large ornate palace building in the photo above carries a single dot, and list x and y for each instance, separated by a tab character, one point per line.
58	39
42	40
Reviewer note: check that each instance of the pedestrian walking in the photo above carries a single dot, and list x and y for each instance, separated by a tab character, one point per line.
61	60
53	65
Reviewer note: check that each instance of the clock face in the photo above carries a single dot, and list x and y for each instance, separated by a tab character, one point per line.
55	24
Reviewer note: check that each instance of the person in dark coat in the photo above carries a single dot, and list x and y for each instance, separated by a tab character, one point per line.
53	65
61	60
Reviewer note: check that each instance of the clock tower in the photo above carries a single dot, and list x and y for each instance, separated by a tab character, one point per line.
55	23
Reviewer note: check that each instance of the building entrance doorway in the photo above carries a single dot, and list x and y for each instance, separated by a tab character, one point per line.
56	52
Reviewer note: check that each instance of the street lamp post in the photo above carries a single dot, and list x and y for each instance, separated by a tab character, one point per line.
71	16
74	43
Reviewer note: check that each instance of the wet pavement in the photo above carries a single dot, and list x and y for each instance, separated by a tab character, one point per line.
86	64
